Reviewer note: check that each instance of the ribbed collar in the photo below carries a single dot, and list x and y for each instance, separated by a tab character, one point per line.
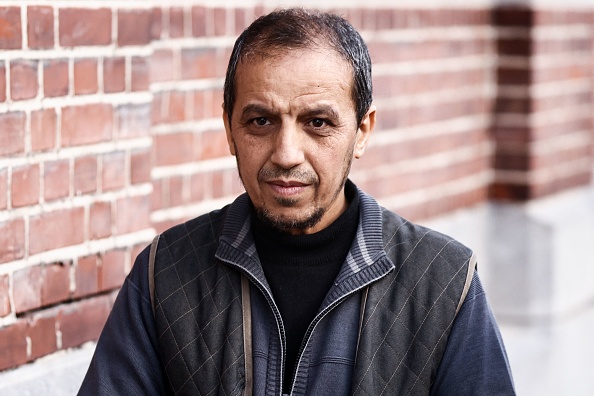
365	262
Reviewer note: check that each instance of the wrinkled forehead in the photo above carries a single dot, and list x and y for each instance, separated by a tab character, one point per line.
262	59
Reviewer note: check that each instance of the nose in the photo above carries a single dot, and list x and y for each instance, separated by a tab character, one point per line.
288	148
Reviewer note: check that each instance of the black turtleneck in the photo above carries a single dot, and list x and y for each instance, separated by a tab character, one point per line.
300	270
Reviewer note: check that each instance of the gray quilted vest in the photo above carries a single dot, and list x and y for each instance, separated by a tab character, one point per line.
405	325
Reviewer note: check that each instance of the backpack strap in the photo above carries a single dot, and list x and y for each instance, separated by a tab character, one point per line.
247	335
469	274
151	270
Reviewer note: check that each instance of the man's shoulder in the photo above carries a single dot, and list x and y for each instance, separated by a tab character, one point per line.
407	237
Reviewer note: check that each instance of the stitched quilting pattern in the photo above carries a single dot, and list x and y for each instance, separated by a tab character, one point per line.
409	313
198	312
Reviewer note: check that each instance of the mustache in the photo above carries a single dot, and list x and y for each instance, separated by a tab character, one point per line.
277	172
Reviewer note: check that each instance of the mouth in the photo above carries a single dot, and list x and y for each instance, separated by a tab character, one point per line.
287	188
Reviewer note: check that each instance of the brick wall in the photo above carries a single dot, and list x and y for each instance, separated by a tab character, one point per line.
110	131
543	112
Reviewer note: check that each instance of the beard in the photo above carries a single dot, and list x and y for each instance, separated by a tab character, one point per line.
281	222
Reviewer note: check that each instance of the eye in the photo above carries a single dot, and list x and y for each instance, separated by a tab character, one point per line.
260	121
318	123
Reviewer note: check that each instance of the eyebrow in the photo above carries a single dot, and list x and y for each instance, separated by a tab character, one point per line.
254	108
320	109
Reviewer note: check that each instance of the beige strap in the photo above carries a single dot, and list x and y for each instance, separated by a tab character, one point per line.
151	270
469	275
361	314
247	335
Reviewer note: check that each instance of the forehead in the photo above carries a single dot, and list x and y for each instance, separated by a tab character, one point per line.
295	73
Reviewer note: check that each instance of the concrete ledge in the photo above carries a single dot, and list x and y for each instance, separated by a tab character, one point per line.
535	259
59	374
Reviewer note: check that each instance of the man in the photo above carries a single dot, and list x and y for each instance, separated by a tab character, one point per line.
304	285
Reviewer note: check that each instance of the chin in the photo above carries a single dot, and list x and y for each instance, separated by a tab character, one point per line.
282	221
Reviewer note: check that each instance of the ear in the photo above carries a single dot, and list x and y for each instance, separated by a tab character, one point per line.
364	132
228	131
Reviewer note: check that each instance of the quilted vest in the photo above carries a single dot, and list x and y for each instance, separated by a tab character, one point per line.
405	324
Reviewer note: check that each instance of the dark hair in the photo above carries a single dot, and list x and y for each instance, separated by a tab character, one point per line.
296	28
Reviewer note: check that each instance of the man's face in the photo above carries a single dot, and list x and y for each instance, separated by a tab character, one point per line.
294	133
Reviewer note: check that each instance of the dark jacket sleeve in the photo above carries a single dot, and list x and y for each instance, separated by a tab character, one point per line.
475	361
126	359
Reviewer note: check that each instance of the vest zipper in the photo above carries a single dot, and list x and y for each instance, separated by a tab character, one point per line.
321	316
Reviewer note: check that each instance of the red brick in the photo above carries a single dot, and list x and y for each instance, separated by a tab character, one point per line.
220	21
240	20
213	144
41	330
113	270
25	186
13	344
86	276
199	101
83	320
178	195
161	69
169	107
82	26
86	124
70	222
135	251
3	188
514	46
513	16
56	179
199	18
12	243
138	27
114	75
27	288
114	171
43	129
132	214
23	80
174	148
85	77
140	167
85	175
513	105
4	295
2	82
559	47
157	198
214	110
40	27
56	283
197	187
156	23
133	120
559	73
218	184
55	78
161	226
100	220
511	76
139	74
176	22
10	28
236	185
199	63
